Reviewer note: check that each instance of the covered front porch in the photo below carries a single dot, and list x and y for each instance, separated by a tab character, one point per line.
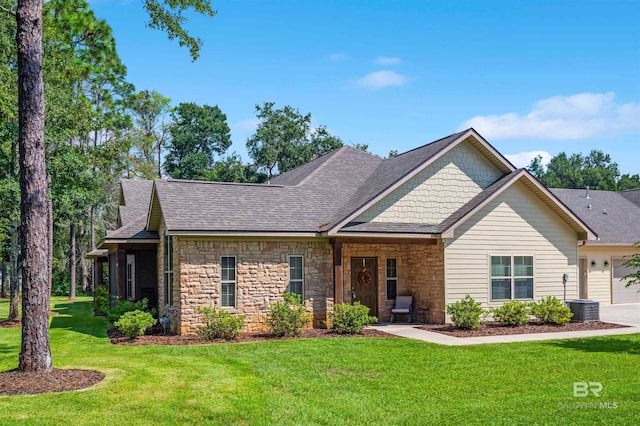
374	271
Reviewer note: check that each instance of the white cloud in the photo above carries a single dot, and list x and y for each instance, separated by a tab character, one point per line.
247	125
579	116
523	159
387	60
339	57
379	79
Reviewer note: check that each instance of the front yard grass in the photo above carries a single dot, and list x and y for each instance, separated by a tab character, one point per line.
326	381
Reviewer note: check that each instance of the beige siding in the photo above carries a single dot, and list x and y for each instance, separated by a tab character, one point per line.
437	191
599	275
515	223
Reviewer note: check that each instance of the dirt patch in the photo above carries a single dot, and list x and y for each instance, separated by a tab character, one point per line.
14	382
7	323
156	338
494	329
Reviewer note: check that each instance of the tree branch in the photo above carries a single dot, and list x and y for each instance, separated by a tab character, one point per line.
9	11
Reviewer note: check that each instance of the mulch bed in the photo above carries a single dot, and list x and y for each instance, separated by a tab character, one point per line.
14	382
155	337
7	323
494	329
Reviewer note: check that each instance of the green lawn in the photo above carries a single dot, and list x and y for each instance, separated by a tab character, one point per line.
326	381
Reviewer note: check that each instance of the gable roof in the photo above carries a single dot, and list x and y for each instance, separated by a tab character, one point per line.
134	200
614	216
321	197
393	172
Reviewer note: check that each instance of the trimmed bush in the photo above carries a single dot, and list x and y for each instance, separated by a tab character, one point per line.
134	323
511	314
289	317
220	324
466	313
551	310
121	307
101	299
348	318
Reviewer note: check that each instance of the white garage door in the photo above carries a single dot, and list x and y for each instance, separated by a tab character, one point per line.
621	293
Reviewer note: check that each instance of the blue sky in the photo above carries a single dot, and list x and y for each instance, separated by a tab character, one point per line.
530	76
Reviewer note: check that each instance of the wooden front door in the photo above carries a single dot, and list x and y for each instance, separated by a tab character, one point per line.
364	282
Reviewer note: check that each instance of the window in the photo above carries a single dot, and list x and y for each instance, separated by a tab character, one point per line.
296	275
228	281
168	269
131	277
392	279
511	277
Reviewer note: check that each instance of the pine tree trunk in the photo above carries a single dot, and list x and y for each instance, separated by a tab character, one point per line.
35	354
72	261
82	252
3	287
50	253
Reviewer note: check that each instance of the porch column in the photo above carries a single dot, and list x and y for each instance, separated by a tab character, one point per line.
338	285
122	273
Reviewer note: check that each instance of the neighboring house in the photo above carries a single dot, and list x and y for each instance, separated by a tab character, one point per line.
443	220
615	217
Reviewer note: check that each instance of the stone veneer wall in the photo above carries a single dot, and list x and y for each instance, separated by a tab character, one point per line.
420	273
262	277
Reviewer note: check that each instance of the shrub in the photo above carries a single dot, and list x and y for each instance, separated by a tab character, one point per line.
349	318
220	324
134	323
511	314
123	306
466	313
289	317
101	299
550	310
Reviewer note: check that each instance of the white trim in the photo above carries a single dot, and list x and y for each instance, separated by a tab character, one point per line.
512	277
234	281
384	235
421	167
387	278
301	281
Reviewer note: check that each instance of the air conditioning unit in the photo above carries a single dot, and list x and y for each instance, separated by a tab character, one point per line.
584	310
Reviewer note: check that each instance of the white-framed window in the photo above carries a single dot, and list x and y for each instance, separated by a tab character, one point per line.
168	269
392	278
511	277
131	277
228	281
296	275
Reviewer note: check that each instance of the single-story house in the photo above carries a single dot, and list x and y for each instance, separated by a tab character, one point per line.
615	217
449	218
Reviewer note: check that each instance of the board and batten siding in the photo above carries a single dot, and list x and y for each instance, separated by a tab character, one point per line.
436	192
515	223
599	275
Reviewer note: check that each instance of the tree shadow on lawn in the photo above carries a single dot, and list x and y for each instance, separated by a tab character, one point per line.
611	344
71	316
9	349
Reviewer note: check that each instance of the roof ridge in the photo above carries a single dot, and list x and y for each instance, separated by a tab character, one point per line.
430	143
333	154
209	182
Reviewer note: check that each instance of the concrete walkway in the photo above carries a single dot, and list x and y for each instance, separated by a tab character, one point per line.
628	314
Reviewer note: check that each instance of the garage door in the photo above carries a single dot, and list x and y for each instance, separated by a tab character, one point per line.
621	293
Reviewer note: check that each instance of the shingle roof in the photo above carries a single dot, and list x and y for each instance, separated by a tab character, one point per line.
632	195
136	195
614	217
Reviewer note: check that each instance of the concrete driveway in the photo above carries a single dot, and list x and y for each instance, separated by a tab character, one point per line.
626	313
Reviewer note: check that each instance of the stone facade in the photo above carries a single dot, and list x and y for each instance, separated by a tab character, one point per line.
420	274
262	277
436	192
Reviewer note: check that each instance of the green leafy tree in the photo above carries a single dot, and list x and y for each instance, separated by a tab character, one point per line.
364	147
232	169
284	140
150	132
596	170
198	133
35	354
634	263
